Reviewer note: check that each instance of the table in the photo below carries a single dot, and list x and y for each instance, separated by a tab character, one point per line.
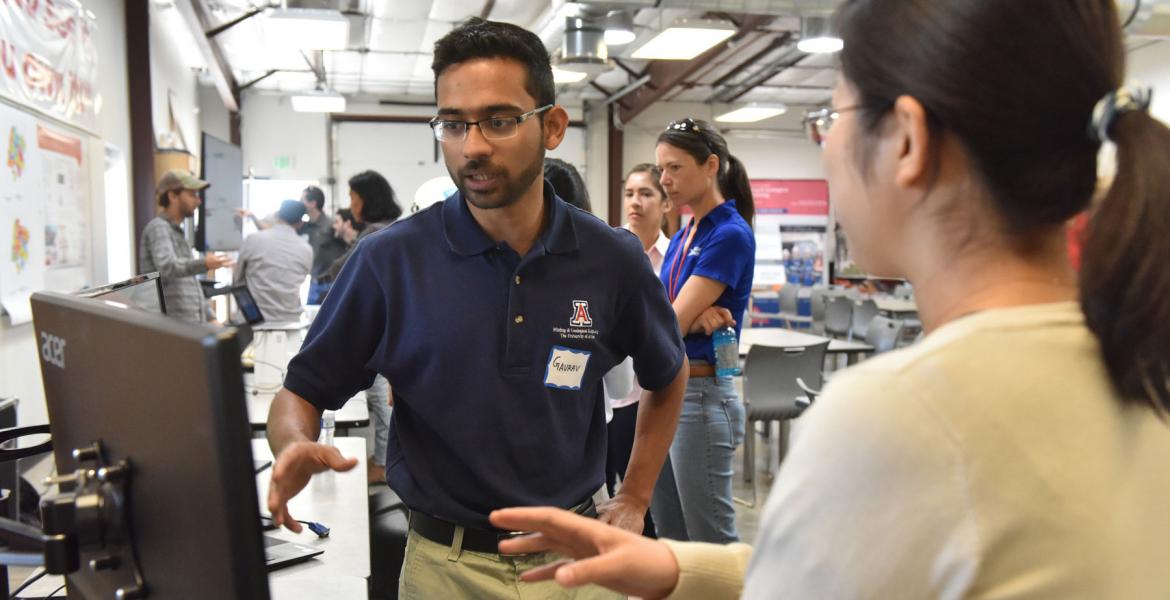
354	413
787	338
896	307
340	501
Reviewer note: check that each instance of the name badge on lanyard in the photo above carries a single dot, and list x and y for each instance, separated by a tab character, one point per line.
675	281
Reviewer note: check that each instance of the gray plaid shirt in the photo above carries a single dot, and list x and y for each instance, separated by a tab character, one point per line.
165	249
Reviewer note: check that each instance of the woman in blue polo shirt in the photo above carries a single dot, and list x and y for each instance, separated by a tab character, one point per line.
707	272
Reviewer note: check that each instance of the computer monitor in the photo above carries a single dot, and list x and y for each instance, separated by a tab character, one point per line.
167	397
143	292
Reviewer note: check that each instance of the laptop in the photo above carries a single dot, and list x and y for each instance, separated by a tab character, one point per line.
247	304
280	553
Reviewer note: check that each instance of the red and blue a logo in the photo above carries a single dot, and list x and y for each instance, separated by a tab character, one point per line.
581	314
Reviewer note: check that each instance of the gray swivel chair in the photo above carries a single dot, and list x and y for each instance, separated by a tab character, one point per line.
789	311
819	300
771	394
838	316
884	334
863	313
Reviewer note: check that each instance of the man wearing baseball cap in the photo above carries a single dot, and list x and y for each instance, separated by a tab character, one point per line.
164	248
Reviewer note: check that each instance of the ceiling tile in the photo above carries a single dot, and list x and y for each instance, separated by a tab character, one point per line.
397	67
411	10
397	36
342	63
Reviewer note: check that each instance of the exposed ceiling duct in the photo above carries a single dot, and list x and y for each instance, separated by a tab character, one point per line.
584	48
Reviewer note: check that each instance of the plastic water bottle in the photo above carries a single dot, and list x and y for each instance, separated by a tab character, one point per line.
327	426
726	353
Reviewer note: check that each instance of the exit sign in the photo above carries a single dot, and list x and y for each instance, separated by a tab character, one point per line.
283	162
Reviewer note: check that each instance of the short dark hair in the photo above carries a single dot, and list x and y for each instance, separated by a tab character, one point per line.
316	196
477	38
567	183
378	200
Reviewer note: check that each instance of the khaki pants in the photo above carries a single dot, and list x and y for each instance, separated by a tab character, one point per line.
432	571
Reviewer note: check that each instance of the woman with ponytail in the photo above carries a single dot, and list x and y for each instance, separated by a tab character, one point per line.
707	272
1020	450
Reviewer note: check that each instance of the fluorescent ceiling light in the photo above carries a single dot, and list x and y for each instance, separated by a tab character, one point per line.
685	40
319	102
306	29
565	76
618	37
817	36
751	114
619	28
820	45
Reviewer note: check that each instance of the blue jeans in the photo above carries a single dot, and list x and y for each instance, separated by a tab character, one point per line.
317	292
701	462
378	404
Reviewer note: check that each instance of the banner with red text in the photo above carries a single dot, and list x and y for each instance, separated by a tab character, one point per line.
48	60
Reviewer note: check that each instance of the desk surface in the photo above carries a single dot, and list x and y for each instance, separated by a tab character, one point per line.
787	338
354	413
339	501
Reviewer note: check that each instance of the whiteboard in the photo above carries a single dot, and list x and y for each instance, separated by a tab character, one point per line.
221	228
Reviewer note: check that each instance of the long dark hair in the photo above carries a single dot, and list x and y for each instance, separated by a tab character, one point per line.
378	200
700	139
1021	109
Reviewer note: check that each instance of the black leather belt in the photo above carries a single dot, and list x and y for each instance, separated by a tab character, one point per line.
486	541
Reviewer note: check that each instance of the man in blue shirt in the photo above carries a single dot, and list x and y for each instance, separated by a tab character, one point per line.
494	315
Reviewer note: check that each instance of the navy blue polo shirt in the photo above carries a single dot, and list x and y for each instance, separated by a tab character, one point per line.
723	249
495	360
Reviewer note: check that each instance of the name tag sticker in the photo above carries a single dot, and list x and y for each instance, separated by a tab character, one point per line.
565	368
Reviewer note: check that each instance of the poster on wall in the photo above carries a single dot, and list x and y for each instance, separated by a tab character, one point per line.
48	59
791	219
64	193
793	197
22	223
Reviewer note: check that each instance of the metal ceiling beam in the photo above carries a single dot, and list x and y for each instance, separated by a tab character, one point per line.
696	78
778	42
735	92
196	20
249	84
665	75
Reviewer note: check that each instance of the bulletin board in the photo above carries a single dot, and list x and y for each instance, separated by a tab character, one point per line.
48	111
44	208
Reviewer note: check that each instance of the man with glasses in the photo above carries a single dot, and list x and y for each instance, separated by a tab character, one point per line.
494	315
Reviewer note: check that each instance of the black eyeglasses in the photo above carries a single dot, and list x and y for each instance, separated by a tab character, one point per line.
492	128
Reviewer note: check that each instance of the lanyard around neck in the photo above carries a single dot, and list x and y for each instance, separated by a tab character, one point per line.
676	268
